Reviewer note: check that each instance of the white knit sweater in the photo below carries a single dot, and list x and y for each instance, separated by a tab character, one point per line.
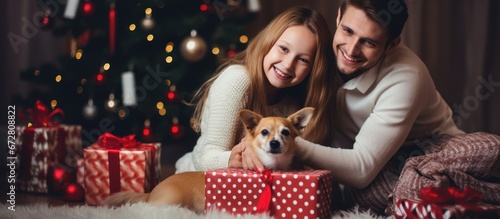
219	121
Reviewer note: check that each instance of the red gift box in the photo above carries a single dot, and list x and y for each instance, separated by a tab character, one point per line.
41	149
293	194
445	203
80	172
109	168
45	147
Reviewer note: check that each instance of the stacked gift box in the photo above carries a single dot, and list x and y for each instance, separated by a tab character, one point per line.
44	147
290	194
116	164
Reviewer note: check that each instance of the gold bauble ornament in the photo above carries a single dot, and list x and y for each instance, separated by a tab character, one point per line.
193	48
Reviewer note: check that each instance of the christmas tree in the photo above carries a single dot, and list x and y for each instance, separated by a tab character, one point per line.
130	64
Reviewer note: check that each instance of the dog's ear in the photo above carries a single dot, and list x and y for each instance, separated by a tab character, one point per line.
249	119
301	118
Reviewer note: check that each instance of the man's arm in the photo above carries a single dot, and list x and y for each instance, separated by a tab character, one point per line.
397	105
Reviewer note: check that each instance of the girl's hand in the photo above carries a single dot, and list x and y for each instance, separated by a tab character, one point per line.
235	159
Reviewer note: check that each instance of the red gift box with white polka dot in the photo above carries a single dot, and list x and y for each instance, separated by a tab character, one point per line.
294	194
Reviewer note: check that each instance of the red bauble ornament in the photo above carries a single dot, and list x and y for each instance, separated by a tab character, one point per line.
88	8
73	192
58	177
203	7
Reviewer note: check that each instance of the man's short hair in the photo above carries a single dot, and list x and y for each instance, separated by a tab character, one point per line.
391	14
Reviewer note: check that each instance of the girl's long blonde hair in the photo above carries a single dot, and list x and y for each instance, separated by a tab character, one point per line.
318	90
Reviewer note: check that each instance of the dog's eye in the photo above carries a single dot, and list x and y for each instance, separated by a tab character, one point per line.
264	132
285	132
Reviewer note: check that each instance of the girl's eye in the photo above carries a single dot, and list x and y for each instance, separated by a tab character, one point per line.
305	61
264	132
284	49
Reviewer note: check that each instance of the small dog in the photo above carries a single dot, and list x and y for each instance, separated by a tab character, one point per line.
271	138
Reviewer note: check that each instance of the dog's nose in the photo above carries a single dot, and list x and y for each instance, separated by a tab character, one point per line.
275	144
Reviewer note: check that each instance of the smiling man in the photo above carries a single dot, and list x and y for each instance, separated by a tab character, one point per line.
388	102
389	98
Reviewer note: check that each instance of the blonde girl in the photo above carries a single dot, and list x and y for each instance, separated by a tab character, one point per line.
285	67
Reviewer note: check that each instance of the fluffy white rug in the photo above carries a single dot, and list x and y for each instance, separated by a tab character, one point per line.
138	210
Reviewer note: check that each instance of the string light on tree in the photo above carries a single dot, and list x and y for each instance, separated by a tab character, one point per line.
78	54
79	89
122	114
215	50
193	48
58	78
147	136
131	27
53	104
161	108
172	94
111	103
168	49
150	37
99	78
146	131
232	51
243	39
176	130
46	21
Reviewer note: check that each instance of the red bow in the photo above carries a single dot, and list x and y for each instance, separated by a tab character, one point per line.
450	196
40	116
108	140
265	198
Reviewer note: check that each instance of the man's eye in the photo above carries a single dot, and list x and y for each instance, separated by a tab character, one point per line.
264	132
348	31
370	43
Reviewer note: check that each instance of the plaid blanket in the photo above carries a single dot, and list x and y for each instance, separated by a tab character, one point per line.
440	161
